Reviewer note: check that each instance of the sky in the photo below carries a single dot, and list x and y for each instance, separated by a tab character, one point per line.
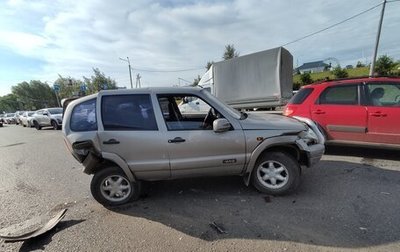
40	40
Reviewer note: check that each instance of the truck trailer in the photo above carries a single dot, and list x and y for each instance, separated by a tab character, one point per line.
259	80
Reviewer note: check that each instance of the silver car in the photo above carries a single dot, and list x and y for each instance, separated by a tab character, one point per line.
125	137
47	117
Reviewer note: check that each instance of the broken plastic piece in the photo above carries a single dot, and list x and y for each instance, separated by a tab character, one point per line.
32	228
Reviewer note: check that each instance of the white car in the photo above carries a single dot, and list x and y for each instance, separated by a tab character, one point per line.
193	106
48	117
26	119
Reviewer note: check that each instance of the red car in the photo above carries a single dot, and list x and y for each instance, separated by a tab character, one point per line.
362	111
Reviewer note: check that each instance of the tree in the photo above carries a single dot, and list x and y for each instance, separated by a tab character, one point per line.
305	78
230	52
338	72
34	95
9	103
196	81
68	86
209	64
98	82
359	64
384	65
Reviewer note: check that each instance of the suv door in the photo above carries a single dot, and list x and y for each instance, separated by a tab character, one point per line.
339	112
128	128
46	118
39	116
383	112
194	148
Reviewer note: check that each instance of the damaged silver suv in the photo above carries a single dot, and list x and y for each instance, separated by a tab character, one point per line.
125	137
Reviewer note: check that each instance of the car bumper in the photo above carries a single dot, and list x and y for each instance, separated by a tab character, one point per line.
314	152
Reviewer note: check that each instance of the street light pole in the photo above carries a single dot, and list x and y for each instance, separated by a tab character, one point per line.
371	69
129	67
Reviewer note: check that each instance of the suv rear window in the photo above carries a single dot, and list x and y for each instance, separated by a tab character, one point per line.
301	96
128	112
83	116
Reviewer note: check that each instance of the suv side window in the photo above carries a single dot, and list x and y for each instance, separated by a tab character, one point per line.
187	112
83	116
340	95
383	94
128	112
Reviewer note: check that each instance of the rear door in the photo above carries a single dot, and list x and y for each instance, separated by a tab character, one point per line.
339	112
383	113
129	129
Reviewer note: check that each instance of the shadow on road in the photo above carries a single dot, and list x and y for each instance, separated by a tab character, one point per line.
339	204
39	243
363	152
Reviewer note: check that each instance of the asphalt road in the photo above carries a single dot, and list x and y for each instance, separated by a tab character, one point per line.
349	201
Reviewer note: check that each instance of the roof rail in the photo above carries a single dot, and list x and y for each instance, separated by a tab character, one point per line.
353	78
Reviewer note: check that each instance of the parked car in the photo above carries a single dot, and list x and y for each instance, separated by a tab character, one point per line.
124	137
18	115
26	118
48	117
361	111
10	118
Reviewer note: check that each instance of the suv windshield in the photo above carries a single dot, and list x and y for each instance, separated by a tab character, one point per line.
233	112
55	110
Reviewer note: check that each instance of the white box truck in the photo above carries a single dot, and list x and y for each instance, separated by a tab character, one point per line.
258	80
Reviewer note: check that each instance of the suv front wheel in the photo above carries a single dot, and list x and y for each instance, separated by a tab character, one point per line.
111	187
54	125
276	173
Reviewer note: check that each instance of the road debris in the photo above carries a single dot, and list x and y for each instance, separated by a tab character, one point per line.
33	227
220	229
386	193
267	199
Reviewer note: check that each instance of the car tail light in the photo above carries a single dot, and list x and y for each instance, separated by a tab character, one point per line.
288	111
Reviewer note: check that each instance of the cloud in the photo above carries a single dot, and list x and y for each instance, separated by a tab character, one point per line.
72	37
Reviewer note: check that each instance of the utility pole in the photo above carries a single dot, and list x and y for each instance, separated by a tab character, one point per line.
138	85
372	67
129	67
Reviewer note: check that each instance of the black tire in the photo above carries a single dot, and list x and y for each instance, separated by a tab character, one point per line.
54	125
37	125
102	179
268	170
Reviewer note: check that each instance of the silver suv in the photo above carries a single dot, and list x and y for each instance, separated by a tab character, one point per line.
47	117
124	137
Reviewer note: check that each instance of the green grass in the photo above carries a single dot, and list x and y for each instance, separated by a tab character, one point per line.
355	72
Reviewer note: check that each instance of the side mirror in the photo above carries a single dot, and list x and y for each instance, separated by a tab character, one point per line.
221	125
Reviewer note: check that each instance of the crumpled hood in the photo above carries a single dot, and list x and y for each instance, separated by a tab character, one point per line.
271	122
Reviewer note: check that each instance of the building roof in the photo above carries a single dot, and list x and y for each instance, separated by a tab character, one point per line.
314	64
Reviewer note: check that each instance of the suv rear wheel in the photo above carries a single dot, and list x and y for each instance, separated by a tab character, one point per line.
276	173
111	187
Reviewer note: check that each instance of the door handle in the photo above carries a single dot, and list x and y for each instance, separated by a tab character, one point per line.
176	140
111	141
378	114
319	112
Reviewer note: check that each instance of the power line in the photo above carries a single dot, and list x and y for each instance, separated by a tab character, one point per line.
336	24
